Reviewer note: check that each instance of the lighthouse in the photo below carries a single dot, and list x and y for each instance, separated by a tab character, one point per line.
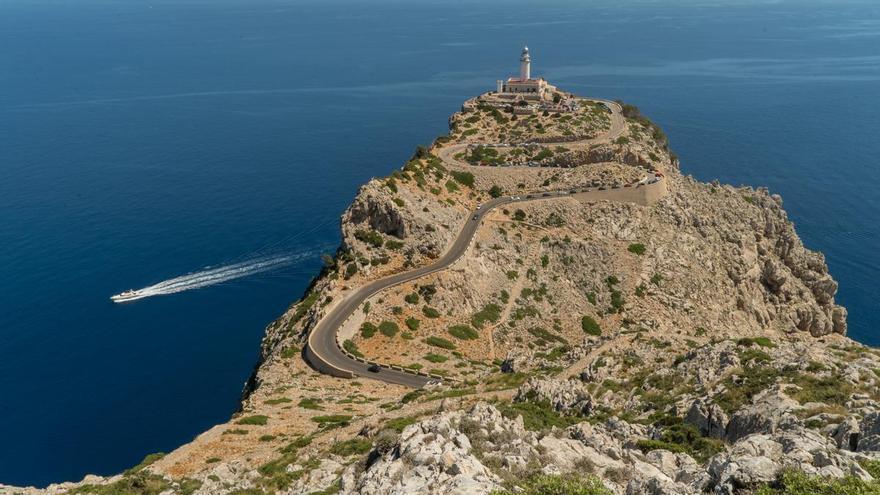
525	65
524	87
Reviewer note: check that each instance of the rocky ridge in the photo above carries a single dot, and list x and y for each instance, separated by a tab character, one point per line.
690	346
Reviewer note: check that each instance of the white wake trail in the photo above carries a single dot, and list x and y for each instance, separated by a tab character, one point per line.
218	275
214	276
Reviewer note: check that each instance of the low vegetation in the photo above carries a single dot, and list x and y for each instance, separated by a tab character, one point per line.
637	248
590	326
388	328
257	419
552	484
440	342
463	332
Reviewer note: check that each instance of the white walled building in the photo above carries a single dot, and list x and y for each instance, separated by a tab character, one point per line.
524	85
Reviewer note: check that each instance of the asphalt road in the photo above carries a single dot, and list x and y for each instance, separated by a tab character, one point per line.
322	339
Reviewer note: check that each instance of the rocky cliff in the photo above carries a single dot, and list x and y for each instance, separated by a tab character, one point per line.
685	345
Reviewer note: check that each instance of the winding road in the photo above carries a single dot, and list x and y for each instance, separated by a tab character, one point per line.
322	349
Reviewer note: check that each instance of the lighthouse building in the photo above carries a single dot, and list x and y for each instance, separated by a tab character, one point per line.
524	85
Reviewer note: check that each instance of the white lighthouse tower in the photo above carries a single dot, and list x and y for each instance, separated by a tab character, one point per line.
525	65
524	87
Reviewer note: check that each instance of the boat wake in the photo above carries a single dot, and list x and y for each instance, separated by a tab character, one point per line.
209	276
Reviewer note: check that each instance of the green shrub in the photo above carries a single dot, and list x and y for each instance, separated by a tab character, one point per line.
398	424
617	301
554	220
872	466
391	184
370	237
388	328
440	342
537	416
393	245
436	358
519	215
430	312
412	298
309	403
750	341
352	348
681	437
427	292
753	380
544	334
832	389
451	186
280	400
412	323
463	178
590	326
792	482
463	332
368	329
512	274
257	419
544	153
303	307
350	270
490	312
753	356
553	484
290	352
354	446
636	248
148	460
332	420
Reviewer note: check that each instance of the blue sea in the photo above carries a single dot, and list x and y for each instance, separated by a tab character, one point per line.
144	141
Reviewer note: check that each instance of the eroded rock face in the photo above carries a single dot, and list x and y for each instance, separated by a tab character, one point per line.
566	396
434	457
373	208
708	418
768	411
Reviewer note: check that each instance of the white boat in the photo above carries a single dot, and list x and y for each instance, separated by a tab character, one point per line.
129	295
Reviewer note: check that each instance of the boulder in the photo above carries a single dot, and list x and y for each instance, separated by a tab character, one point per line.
709	418
769	409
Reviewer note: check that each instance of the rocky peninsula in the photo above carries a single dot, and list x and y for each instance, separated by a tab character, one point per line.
611	326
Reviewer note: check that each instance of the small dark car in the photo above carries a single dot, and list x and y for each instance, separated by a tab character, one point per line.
374	368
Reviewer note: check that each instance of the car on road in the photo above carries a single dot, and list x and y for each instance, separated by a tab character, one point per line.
479	206
545	194
602	188
476	217
573	191
529	196
374	368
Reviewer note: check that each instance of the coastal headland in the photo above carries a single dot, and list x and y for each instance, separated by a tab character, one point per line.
540	299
